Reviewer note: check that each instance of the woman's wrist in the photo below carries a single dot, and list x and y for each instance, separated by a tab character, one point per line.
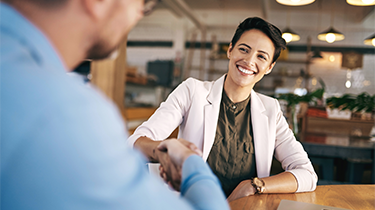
259	185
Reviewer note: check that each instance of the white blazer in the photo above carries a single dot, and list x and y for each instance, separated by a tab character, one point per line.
194	106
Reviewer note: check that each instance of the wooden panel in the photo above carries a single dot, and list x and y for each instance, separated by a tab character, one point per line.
109	76
335	126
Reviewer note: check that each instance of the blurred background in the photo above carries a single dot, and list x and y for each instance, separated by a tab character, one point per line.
324	80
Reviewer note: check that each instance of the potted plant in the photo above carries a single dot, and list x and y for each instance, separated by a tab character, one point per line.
362	106
293	103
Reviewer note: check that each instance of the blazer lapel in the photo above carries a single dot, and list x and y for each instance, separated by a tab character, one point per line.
261	137
211	115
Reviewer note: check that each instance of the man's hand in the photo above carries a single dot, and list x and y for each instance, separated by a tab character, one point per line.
242	190
172	153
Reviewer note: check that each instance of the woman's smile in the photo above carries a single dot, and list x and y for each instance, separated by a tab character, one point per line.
246	71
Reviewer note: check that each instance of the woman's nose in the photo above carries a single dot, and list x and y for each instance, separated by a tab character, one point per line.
250	60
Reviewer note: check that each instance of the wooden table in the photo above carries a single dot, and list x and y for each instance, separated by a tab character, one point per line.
361	197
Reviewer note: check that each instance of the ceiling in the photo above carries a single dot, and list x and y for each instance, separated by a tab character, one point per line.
265	7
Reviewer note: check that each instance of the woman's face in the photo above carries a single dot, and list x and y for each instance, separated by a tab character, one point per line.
250	59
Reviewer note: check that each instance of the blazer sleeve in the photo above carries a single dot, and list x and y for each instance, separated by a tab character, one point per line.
168	116
292	156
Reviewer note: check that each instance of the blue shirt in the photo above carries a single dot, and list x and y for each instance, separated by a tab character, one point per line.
63	144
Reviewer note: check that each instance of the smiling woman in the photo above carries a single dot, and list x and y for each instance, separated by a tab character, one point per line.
238	130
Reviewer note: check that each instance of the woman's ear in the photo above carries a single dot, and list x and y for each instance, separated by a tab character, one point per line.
229	51
270	68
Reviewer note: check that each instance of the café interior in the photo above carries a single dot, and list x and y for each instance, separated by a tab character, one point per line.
324	80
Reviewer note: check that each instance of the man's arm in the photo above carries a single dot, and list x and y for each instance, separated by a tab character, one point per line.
199	184
169	172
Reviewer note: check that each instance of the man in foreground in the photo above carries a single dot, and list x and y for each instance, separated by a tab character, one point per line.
62	143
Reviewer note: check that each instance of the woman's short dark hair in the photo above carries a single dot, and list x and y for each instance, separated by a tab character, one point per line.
267	28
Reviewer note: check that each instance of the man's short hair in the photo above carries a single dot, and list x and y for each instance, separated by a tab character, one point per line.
267	28
43	3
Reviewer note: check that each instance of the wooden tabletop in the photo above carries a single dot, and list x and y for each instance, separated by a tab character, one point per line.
361	197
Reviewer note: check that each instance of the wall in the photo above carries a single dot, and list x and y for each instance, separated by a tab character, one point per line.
162	25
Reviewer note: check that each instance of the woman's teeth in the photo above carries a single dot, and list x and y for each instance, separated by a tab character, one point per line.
245	71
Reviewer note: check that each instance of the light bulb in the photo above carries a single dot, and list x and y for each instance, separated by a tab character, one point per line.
373	42
331	58
368	1
295	1
330	37
287	37
348	84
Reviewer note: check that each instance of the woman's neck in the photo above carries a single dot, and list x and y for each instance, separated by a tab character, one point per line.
236	93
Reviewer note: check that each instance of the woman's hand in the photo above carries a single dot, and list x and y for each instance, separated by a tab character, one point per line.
172	153
245	188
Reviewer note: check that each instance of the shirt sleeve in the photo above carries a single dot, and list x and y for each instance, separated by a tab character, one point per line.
168	116
200	186
73	156
292	156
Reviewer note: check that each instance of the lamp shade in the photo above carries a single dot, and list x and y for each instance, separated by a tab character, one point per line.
361	2
331	35
317	55
370	40
295	2
290	36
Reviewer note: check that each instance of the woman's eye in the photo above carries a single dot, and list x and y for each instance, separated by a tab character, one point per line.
243	50
262	57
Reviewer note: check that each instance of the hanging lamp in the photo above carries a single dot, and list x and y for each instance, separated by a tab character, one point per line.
370	40
331	35
316	54
289	35
295	2
361	2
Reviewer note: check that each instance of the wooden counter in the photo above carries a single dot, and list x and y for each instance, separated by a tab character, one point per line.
361	197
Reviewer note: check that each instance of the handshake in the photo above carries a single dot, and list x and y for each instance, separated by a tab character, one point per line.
171	154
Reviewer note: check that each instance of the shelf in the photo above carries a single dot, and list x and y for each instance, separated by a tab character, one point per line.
287	75
338	126
294	61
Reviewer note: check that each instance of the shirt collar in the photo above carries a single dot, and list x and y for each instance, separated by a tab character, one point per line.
237	106
19	27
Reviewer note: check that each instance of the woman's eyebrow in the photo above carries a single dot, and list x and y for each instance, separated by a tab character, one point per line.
264	52
244	45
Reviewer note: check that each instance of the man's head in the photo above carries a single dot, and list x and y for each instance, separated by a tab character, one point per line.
267	28
81	29
41	3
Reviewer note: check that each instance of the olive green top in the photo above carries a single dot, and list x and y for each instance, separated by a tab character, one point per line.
232	156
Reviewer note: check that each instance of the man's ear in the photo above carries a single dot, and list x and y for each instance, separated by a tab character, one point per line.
270	67
229	51
98	9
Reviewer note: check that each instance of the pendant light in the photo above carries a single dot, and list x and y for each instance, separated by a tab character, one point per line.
289	35
370	40
295	2
331	35
361	2
316	54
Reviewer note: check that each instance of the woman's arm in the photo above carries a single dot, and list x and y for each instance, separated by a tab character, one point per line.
166	118
284	182
292	156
